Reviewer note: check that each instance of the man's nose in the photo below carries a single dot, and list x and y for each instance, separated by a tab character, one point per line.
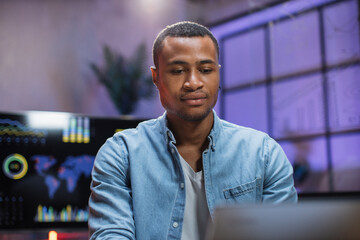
193	81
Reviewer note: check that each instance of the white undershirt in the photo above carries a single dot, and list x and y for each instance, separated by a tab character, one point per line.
196	213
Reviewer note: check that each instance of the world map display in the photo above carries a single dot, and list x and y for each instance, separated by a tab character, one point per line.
70	171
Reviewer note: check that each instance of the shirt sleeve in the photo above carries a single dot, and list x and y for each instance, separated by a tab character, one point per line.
278	182
110	203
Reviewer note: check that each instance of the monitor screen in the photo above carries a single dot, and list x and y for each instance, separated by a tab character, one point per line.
46	161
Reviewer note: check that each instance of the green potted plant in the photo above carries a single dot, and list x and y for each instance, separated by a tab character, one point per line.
125	80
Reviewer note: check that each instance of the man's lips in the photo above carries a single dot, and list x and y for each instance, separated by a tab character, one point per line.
194	98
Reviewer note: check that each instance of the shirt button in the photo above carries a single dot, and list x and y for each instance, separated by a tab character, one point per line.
175	224
182	185
172	151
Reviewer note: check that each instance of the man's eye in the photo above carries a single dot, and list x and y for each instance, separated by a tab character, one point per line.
206	70
177	71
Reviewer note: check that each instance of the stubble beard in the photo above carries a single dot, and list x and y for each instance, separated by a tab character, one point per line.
194	117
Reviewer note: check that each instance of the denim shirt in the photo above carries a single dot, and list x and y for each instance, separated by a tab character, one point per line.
138	189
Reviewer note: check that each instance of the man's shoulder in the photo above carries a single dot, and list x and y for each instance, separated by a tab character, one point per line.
232	128
143	129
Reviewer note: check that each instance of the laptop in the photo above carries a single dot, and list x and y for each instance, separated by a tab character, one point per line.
307	220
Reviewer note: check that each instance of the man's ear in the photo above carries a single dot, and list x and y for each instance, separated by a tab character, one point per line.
154	75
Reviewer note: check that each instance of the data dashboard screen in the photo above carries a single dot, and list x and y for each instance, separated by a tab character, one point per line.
46	161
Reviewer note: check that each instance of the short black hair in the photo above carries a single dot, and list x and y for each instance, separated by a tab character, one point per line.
181	29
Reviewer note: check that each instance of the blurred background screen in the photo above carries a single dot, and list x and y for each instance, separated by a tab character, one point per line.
47	158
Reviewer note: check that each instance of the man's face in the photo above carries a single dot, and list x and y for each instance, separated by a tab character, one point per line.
187	77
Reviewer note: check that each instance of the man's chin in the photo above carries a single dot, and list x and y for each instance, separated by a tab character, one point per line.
194	117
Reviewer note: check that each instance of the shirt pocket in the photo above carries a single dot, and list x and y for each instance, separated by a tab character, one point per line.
246	192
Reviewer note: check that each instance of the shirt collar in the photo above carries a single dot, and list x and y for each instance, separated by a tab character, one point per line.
215	131
169	137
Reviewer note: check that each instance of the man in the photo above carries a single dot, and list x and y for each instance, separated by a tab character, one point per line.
163	179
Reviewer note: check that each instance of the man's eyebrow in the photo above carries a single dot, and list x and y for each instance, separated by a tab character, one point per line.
177	62
207	61
180	62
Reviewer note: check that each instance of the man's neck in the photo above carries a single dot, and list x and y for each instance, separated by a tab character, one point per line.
191	138
190	132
